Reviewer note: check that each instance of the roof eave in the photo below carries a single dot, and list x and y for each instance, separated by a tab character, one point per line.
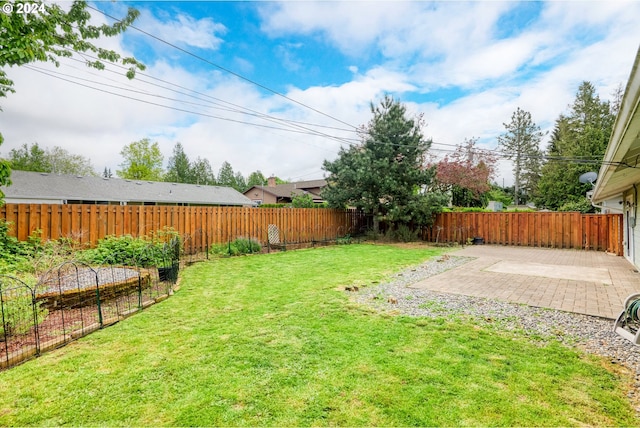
621	142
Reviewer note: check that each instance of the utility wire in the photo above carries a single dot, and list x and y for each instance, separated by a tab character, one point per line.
205	97
266	88
292	127
309	132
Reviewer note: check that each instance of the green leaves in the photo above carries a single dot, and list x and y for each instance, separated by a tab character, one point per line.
142	161
383	174
49	32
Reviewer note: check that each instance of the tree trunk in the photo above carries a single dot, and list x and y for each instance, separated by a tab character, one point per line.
376	223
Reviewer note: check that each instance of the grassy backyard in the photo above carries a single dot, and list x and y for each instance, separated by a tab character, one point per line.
272	340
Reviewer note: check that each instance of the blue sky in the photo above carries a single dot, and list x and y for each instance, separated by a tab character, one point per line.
465	66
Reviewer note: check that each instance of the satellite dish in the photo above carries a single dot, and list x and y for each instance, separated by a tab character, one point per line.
588	177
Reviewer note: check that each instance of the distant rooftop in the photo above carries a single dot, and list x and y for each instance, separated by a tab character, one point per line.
36	187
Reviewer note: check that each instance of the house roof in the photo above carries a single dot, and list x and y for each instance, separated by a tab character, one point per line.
297	188
619	170
45	186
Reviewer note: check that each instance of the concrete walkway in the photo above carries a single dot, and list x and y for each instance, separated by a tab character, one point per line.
585	282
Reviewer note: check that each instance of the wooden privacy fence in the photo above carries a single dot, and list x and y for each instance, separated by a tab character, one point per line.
600	232
89	223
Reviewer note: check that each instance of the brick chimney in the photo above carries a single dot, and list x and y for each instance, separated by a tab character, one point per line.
271	181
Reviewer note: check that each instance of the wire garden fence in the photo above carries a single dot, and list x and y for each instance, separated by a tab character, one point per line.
75	299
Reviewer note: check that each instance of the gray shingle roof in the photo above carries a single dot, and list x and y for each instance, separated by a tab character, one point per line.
35	185
297	188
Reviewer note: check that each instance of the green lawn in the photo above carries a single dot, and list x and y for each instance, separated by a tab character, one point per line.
271	340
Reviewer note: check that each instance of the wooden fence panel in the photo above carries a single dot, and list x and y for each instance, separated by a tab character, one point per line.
203	226
208	225
600	232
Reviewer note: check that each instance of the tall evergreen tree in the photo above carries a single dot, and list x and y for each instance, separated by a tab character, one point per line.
226	176
202	173
385	175
577	146
239	182
521	144
178	167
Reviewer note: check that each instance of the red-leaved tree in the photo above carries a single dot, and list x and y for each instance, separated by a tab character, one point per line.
467	168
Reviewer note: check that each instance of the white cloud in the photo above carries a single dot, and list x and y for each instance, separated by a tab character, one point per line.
183	30
423	46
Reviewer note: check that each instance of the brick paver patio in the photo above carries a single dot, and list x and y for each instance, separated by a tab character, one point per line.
543	277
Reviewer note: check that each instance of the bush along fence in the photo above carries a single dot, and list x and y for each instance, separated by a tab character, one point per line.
87	224
599	232
75	299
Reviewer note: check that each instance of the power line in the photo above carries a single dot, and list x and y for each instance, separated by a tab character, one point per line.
237	108
200	58
301	130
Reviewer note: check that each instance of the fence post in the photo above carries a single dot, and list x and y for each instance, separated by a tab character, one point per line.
98	301
139	290
4	327
36	330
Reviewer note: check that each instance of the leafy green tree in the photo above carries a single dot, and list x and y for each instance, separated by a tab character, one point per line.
202	173
303	200
142	161
49	33
29	158
577	145
498	194
5	173
256	178
56	160
178	168
385	175
521	144
63	162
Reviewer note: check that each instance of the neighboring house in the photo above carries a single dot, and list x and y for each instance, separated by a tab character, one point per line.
618	186
47	188
274	193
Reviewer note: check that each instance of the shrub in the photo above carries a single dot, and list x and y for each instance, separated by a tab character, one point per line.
238	247
302	201
582	205
126	250
404	233
13	253
344	240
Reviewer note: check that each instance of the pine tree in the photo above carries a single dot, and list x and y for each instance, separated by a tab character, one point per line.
178	167
521	144
226	176
577	146
202	173
385	175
